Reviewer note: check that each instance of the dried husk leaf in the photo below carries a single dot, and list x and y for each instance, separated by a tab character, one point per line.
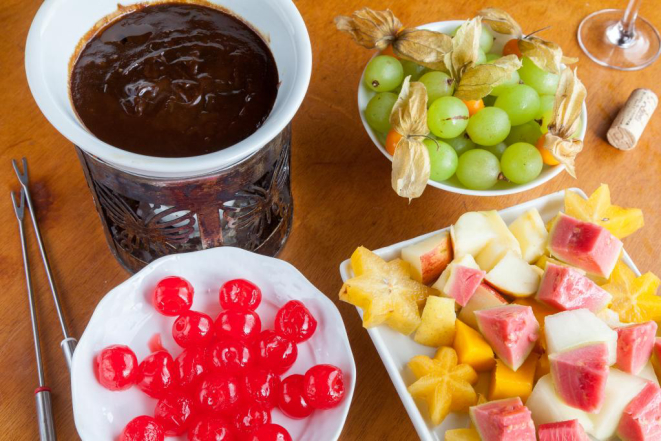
501	22
409	114
410	168
427	48
545	54
479	80
564	150
465	48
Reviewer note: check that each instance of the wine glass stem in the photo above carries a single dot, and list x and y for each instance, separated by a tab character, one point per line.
623	33
629	19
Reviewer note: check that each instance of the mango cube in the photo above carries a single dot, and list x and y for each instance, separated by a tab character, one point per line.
505	383
437	327
462	435
471	348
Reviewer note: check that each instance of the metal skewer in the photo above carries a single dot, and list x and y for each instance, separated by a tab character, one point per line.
69	343
42	393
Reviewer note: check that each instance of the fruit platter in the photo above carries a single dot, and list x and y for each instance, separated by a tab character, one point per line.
532	319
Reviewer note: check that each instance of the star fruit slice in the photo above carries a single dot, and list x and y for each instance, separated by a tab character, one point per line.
634	298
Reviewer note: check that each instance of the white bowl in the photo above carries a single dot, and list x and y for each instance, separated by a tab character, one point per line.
453	185
60	24
126	316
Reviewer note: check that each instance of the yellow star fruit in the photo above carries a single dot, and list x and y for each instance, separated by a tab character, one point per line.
634	298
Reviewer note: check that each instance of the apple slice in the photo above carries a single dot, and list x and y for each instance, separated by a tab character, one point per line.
485	297
503	420
547	407
491	254
502	232
641	420
530	231
429	257
562	431
470	234
466	261
565	288
514	276
634	346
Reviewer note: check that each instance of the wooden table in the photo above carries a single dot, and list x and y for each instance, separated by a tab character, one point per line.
342	193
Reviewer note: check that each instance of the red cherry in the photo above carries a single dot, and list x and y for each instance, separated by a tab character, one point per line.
142	428
251	417
291	399
241	293
231	356
190	366
116	367
295	321
323	386
238	324
174	413
217	393
157	374
275	352
192	328
270	432
262	387
210	428
173	295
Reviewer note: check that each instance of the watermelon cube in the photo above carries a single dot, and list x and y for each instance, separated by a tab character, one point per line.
547	407
585	245
462	283
565	288
503	420
634	346
511	330
641	420
562	431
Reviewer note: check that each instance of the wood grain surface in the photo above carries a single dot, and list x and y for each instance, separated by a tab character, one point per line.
341	186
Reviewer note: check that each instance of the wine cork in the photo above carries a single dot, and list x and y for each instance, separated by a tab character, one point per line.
629	124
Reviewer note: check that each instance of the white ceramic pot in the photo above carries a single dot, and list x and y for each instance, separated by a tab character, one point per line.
59	26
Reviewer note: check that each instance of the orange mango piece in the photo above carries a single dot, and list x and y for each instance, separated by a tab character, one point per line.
472	349
505	383
462	435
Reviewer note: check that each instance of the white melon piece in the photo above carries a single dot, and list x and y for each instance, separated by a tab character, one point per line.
621	388
530	231
569	329
547	407
610	317
491	254
428	258
470	234
648	373
502	232
466	260
514	276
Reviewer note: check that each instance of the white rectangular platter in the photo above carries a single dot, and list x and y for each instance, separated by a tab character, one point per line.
396	349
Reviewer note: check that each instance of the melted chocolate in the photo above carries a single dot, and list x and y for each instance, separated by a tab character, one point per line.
174	80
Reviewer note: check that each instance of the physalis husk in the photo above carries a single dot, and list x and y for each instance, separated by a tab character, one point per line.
634	298
621	222
444	384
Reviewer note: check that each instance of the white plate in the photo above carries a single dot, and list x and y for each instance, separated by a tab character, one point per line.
396	349
126	316
453	185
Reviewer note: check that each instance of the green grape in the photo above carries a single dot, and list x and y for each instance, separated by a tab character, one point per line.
481	57
442	158
545	83
497	149
461	143
545	103
438	84
513	80
478	169
521	103
412	69
489	100
521	163
486	38
447	117
489	126
384	73
377	112
528	132
546	119
492	57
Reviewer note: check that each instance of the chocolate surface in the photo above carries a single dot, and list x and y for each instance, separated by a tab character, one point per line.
174	80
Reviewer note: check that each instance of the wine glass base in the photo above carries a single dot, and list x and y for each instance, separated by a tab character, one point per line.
601	37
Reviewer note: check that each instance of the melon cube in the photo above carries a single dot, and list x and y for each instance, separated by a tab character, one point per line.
462	283
583	244
530	231
437	323
634	346
429	257
503	420
467	261
641	420
505	383
514	276
547	407
562	431
485	297
565	288
648	373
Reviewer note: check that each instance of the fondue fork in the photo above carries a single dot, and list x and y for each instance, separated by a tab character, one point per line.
68	345
42	393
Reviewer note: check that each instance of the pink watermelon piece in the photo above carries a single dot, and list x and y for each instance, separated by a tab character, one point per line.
585	245
634	346
511	330
462	283
565	288
641	420
562	431
503	420
580	375
657	348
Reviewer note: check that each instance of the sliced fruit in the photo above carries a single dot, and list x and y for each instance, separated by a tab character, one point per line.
511	330
437	327
547	407
514	276
471	348
470	234
656	357
505	383
648	373
444	384
502	232
485	297
364	260
545	260
610	317
543	366
634	346
491	254
462	283
503	420
580	375
579	327
641	420
565	288
621	222
462	435
585	245
466	261
562	431
634	298
621	388
530	231
429	257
